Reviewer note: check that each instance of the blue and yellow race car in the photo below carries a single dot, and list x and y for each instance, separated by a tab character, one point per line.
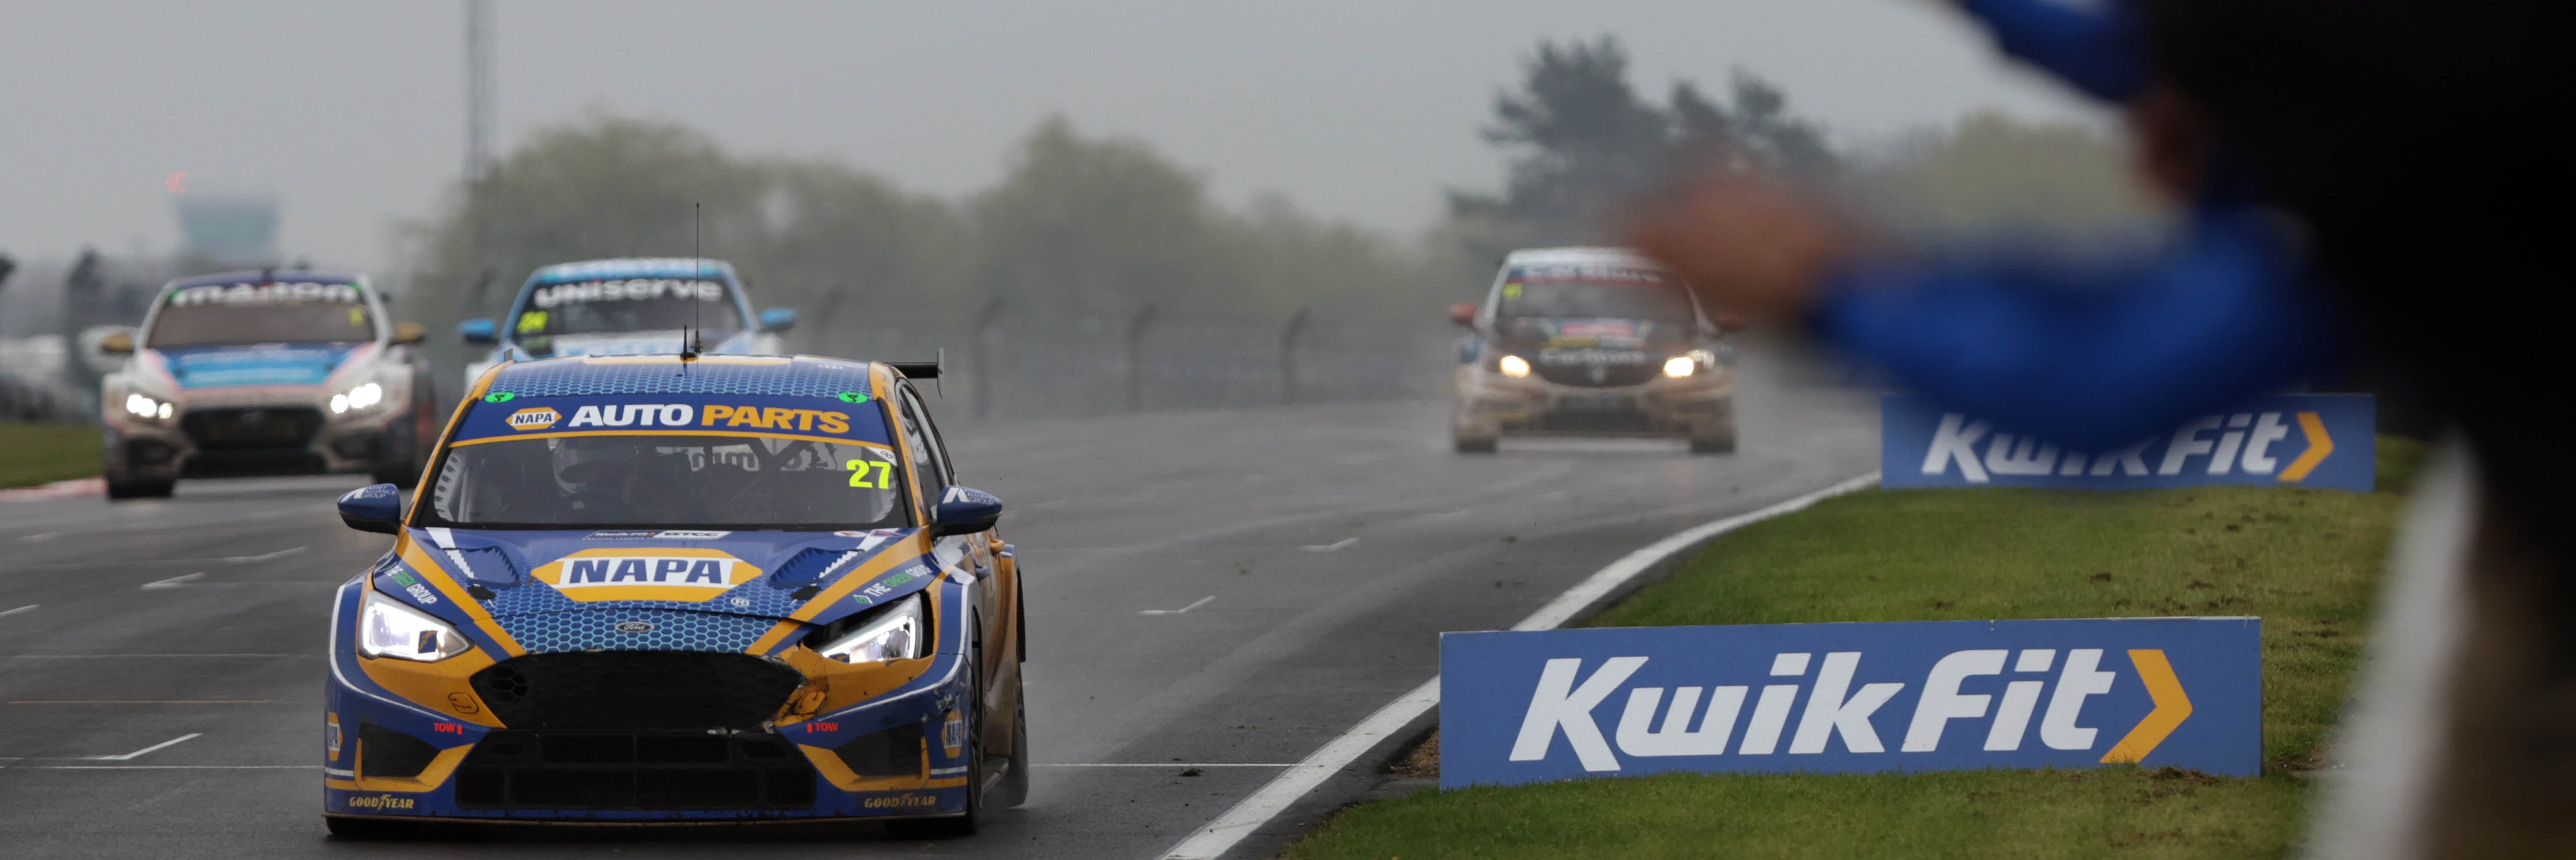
680	589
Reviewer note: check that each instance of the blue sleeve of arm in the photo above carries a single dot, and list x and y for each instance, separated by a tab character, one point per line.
2096	52
2098	359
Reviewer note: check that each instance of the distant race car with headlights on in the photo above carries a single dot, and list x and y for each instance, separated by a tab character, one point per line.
628	306
263	373
1590	342
650	589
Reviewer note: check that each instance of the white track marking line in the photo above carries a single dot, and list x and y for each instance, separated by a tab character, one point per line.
1176	764
1335	546
244	559
110	656
1200	602
137	753
170	767
140	702
4	613
1221	835
176	581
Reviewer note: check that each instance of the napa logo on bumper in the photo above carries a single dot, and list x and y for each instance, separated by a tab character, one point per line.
2303	440
689	575
1531	706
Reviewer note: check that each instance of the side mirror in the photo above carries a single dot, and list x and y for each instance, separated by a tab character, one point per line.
1463	313
777	319
120	343
479	331
376	508
409	332
1728	322
962	511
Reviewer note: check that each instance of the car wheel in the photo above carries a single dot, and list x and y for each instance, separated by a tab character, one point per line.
371	829
1014	789
963	825
1473	446
143	489
1721	445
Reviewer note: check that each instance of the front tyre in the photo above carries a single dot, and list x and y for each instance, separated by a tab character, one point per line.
1014	788
1715	445
121	490
1468	445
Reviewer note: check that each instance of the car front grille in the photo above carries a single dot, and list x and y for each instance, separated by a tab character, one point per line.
250	429
636	690
1597	375
634	771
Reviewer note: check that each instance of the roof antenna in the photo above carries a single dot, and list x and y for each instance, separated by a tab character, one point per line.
697	267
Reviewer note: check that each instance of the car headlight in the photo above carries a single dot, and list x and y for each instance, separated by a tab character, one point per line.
361	398
387	628
1513	365
1681	365
899	631
140	406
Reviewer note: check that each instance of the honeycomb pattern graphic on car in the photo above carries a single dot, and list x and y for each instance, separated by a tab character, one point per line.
572	377
634	630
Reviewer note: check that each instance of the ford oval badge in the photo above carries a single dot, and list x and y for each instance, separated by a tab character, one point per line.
634	627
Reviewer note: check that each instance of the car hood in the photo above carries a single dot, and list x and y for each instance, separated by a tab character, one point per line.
1589	332
755	576
257	364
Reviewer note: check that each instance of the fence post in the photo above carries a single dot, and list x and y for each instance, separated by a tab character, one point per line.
1288	357
1136	357
982	357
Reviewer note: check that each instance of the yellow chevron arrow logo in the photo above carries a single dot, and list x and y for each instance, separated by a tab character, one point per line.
2172	707
2319	445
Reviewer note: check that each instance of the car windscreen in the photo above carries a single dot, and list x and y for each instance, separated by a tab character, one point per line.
730	481
261	313
627	306
1626	294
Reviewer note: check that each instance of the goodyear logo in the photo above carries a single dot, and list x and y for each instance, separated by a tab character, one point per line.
1898	696
2304	440
690	575
534	418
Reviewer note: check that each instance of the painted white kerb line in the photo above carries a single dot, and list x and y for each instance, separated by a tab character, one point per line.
1219	836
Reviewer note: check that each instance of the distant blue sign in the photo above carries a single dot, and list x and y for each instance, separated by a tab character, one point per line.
2307	440
1534	706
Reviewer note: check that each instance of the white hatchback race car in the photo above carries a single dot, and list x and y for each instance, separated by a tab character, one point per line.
265	373
628	306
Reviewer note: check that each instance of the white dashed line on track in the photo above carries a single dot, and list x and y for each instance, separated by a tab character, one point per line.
176	581
138	753
4	613
1335	546
1200	602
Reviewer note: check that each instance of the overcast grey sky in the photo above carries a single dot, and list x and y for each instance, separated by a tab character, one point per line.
352	113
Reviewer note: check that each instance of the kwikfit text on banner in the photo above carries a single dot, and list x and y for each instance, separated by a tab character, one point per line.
1533	706
2297	440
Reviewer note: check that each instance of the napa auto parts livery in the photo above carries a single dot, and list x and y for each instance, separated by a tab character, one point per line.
2298	440
1533	706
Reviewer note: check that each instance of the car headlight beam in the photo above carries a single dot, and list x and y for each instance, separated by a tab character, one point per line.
1513	366
387	628
141	406
364	396
898	631
1680	366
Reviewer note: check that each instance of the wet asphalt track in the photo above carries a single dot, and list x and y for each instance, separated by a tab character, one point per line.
1318	551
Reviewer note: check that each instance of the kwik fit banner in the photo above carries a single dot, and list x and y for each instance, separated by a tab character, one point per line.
1533	706
2303	440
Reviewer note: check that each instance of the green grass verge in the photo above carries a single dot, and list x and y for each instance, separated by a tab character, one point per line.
33	454
2305	561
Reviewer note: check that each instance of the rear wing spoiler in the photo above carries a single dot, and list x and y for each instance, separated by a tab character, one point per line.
929	370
